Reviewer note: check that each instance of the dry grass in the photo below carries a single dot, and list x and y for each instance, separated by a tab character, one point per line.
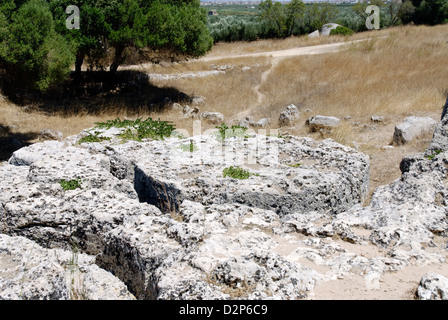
237	48
398	75
231	93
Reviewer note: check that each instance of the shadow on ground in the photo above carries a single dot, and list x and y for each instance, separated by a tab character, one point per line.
10	141
97	92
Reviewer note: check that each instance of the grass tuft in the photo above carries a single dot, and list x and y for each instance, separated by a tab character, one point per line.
237	173
95	137
71	184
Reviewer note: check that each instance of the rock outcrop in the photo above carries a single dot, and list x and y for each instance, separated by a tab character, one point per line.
48	134
322	123
213	117
288	116
433	287
412	128
30	272
157	221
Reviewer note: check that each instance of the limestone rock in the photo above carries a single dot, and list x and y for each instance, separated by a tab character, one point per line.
440	138
276	185
152	221
317	123
167	102
377	119
288	116
197	101
30	272
177	107
412	128
213	117
246	122
262	123
433	287
326	29
314	34
48	134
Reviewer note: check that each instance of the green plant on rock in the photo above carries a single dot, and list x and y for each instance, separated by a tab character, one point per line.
224	132
189	147
140	129
295	165
237	173
432	156
71	184
95	137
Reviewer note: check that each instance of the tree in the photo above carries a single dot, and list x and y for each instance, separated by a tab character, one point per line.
360	7
282	18
430	12
31	51
36	46
295	10
273	14
126	20
171	25
91	39
319	14
400	11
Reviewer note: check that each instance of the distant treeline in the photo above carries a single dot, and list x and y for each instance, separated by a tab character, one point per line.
279	20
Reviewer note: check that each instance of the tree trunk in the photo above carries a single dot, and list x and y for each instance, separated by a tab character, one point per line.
79	62
118	59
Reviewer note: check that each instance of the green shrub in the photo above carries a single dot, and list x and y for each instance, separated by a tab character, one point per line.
341	30
237	173
71	184
140	129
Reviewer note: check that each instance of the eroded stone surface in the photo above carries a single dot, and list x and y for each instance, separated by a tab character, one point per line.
30	272
166	223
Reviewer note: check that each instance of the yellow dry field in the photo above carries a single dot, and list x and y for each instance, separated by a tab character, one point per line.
394	73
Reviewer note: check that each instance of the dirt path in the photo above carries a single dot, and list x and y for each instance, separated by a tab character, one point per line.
276	57
317	49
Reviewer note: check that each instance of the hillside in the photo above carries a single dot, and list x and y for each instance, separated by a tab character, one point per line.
369	224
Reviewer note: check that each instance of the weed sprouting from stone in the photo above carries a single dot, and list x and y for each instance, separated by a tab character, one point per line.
237	173
71	184
295	165
224	132
95	137
140	129
432	156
